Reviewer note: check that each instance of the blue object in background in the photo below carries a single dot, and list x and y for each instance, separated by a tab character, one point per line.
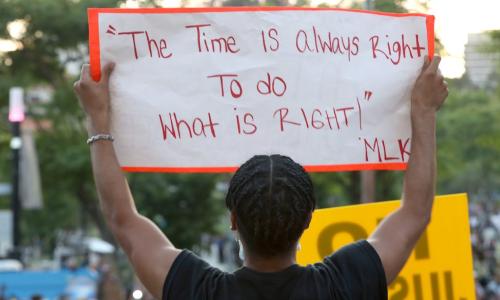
23	285
82	284
50	285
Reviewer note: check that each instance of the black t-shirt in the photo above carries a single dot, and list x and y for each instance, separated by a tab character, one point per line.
354	272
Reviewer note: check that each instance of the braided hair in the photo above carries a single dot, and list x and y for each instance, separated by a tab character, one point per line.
272	198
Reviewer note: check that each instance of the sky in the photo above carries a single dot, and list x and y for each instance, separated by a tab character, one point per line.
455	19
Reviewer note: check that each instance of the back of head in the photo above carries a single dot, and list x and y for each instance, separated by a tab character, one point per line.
272	198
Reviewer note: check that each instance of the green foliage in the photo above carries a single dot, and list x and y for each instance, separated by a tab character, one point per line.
264	3
335	189
183	205
389	5
495	41
56	34
468	136
276	3
240	3
65	171
323	5
302	3
468	143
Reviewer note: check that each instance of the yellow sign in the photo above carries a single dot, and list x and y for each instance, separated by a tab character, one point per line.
440	266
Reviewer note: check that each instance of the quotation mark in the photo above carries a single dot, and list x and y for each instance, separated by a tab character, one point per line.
111	30
368	94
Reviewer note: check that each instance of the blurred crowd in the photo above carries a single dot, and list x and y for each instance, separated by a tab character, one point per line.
485	237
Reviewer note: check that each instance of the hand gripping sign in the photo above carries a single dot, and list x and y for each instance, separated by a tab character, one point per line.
202	90
440	266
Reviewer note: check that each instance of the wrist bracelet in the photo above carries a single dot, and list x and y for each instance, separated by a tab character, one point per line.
99	137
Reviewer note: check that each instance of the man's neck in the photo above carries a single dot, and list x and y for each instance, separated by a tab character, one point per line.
273	264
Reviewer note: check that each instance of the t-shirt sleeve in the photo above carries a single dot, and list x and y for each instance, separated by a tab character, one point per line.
190	277
361	270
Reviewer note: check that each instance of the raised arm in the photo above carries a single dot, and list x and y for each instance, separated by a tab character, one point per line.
149	251
398	234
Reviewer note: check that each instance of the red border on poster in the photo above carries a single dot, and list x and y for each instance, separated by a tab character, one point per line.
95	71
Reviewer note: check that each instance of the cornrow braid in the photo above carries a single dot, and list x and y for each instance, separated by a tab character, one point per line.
272	197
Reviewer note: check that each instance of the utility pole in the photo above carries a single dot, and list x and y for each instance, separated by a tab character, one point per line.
16	116
368	186
368	177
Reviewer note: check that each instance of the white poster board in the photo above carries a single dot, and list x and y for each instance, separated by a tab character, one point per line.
203	90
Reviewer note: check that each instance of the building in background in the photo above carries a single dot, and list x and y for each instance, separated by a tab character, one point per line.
481	67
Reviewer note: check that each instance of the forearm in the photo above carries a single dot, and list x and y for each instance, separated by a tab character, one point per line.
112	187
420	177
396	236
149	251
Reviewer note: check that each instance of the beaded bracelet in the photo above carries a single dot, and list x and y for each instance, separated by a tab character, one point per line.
99	137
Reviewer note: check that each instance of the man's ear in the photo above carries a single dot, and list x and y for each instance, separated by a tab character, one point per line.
308	221
234	225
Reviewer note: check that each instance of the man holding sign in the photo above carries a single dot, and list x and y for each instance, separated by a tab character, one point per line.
271	201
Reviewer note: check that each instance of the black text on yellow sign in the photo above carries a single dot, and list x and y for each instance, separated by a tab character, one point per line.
440	267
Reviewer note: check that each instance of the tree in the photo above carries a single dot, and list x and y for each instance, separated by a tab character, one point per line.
55	36
389	5
182	205
240	3
468	131
264	3
469	147
53	30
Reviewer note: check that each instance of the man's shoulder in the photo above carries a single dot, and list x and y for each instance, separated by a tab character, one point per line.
189	274
359	269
